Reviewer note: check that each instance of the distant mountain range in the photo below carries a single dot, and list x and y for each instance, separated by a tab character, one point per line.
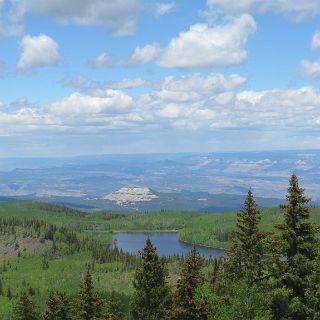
157	201
188	181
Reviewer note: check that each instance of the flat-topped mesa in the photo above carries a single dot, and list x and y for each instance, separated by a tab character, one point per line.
127	195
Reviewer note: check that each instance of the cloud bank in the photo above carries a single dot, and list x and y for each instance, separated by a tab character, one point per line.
193	103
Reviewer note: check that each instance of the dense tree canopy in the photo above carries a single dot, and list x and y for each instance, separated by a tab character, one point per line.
151	297
185	303
299	252
25	309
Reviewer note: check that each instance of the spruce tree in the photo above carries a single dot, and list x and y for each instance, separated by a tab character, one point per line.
313	292
87	306
25	309
9	294
1	288
247	250
185	304
113	308
299	252
216	279
58	307
150	299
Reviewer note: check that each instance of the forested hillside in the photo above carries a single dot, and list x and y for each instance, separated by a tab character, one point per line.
59	263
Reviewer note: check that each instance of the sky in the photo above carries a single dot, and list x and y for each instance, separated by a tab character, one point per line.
83	77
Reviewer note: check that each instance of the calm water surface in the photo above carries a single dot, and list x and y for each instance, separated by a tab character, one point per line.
167	243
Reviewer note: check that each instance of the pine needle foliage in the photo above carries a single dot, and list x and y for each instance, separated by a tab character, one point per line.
246	253
58	307
113	308
25	309
88	305
186	305
151	297
298	235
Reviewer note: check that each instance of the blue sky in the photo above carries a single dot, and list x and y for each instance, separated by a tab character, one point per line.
135	76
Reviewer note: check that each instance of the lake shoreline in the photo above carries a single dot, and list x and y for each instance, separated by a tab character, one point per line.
168	231
145	231
202	245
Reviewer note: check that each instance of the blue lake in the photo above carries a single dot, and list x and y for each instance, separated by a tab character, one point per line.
167	243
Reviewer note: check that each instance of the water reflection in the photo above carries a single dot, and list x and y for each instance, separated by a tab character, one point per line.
167	243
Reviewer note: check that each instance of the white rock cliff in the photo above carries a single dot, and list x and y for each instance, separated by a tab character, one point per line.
130	195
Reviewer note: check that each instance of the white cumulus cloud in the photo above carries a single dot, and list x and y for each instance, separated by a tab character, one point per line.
142	55
204	45
108	101
38	51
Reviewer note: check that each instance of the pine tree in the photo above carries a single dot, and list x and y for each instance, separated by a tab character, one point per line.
113	308
9	294
185	305
1	288
299	252
150	299
313	292
247	249
58	307
25	309
217	275
87	306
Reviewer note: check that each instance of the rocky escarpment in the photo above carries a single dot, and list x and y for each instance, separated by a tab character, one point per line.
131	195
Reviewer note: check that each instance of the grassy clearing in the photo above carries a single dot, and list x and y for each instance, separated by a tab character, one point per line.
63	274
